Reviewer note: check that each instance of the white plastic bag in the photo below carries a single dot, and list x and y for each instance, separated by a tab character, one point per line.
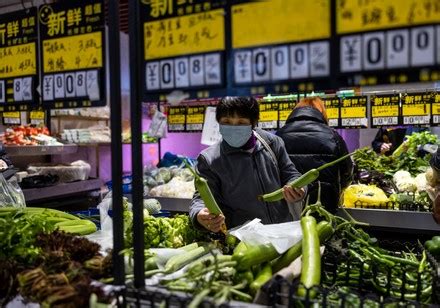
10	193
282	236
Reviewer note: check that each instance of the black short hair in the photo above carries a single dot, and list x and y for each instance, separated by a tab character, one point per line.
242	106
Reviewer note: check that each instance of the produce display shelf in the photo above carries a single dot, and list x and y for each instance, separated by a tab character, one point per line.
33	150
169	204
406	221
61	190
79	117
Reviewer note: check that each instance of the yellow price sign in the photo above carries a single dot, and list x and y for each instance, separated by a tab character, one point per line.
176	119
18	60
385	111
366	15
436	105
73	52
268	116
194	118
332	113
12	115
36	115
284	114
279	21
414	110
353	112
183	35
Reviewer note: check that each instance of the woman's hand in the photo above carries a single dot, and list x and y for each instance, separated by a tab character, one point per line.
293	194
209	221
385	147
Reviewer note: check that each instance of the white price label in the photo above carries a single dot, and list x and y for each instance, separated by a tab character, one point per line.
299	61
355	122
18	89
152	76
70	83
195	127
260	64
213	69
92	85
48	87
167	74
397	48
196	71
27	88
332	122
319	59
176	127
416	120
280	63
268	125
59	86
350	53
242	66
181	69
80	84
373	50
422	46
436	119
385	121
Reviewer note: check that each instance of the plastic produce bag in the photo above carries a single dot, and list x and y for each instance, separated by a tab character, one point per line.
10	193
282	236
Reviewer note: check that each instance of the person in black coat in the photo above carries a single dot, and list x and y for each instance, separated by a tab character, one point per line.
310	143
387	140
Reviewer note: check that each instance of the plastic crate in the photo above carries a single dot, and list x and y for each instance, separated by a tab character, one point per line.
344	290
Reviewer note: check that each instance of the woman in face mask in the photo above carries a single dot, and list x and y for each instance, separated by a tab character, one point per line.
248	162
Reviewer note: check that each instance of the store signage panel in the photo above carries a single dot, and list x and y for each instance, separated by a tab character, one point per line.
358	16
176	119
73	49
388	50
354	112
435	113
416	108
37	117
18	59
286	62
195	116
183	44
268	116
284	110
332	108
11	118
258	23
384	110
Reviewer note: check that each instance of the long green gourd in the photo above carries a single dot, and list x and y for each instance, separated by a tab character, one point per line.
202	187
305	179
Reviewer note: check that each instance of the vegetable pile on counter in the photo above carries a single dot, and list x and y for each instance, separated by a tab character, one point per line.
402	177
24	135
206	270
46	265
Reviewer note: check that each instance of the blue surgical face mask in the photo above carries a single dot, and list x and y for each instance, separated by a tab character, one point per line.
236	135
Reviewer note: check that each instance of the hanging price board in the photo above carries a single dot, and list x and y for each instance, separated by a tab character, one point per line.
195	116
183	44
18	59
12	118
354	112
284	110
73	51
332	109
268	116
37	117
416	108
436	109
384	110
176	119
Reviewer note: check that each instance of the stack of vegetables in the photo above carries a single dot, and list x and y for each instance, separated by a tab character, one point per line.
46	265
393	182
23	135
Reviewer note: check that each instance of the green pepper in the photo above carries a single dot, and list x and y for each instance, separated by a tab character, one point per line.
433	246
